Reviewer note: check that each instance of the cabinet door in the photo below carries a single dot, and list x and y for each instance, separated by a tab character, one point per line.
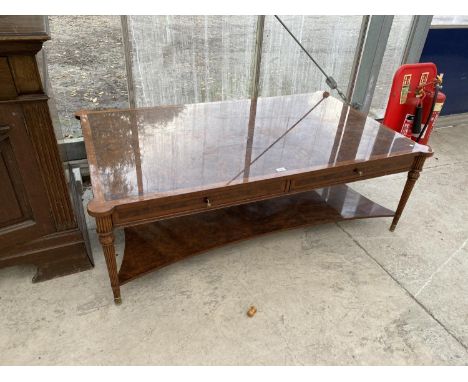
24	206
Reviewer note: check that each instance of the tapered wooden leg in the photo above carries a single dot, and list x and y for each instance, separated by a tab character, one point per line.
413	176
105	231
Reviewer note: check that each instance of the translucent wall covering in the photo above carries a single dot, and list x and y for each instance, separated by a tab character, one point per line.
453	20
86	67
185	59
331	40
391	62
189	59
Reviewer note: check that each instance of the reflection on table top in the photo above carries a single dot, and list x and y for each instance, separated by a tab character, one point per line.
200	146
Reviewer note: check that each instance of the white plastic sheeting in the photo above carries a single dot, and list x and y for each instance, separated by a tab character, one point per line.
450	20
285	68
189	59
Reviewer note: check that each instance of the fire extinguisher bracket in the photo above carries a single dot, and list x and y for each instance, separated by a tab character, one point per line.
415	99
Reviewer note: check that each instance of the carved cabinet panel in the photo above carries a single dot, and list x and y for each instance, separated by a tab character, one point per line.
24	213
38	218
16	208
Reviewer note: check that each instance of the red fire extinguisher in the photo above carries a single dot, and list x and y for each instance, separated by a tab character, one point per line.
415	101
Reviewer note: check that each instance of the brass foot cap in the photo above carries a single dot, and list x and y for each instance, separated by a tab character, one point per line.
118	300
392	228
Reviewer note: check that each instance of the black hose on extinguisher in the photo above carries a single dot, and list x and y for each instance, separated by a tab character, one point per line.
417	120
436	92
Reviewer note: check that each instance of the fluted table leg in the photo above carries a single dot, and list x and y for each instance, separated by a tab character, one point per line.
105	232
413	176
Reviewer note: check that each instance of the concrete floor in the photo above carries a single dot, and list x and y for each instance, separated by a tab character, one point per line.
345	294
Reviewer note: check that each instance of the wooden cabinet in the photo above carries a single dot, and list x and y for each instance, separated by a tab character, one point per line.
38	220
23	214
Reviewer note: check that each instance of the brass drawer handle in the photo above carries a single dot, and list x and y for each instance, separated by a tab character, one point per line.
208	202
358	172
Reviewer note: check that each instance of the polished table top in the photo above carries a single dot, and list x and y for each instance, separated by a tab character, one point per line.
172	149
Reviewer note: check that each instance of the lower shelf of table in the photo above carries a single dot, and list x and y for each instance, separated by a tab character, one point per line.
154	245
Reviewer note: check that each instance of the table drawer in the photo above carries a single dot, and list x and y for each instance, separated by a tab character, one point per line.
350	173
197	201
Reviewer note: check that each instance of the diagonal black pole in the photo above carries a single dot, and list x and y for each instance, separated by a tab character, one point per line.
325	95
329	79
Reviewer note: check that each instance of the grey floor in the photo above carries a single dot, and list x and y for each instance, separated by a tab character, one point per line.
348	293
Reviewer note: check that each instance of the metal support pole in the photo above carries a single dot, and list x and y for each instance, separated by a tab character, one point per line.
128	61
417	38
371	60
257	58
357	56
254	88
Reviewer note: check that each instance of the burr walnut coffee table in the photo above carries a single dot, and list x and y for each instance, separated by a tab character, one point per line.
185	179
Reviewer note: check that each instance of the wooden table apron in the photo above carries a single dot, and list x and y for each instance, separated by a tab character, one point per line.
236	204
138	212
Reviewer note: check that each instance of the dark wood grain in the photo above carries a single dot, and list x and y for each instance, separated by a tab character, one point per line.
39	124
7	90
37	221
23	27
54	255
14	198
105	232
189	148
24	175
25	74
413	176
213	173
155	245
176	205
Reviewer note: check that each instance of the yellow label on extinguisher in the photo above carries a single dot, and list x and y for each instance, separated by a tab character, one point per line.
405	87
423	79
438	106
